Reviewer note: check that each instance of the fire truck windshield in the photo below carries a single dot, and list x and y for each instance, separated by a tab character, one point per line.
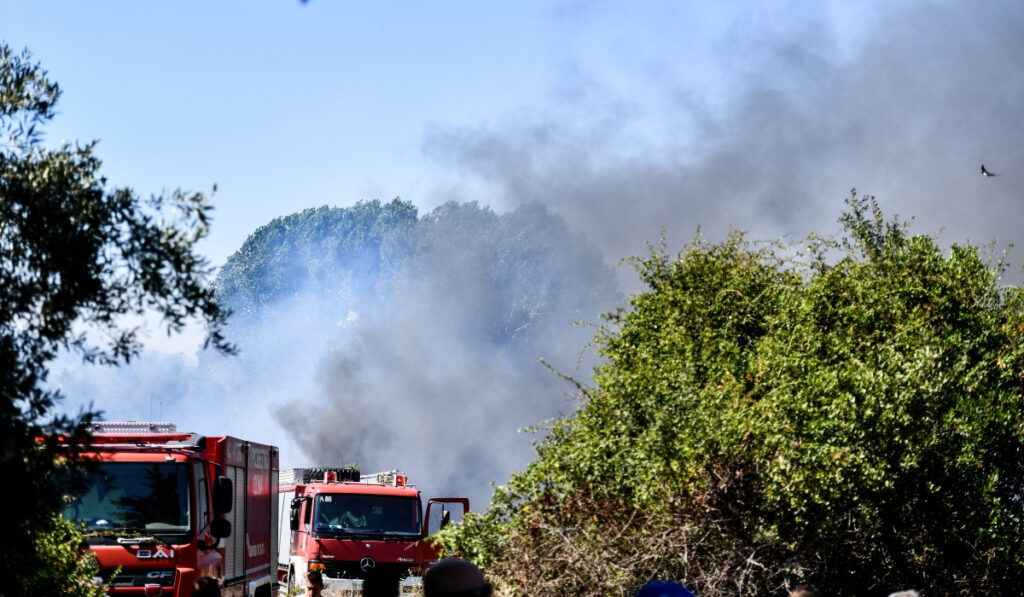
367	514
145	497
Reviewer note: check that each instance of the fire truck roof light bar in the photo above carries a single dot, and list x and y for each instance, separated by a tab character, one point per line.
395	478
144	435
132	427
328	474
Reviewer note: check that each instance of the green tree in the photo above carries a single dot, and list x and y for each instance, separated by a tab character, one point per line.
78	260
322	249
847	412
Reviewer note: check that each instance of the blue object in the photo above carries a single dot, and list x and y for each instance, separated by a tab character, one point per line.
663	588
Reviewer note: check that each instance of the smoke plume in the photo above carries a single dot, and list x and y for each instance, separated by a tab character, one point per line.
433	366
908	114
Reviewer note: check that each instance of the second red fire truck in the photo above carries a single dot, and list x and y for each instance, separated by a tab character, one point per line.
350	526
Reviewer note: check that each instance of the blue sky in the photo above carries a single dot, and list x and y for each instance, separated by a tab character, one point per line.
286	105
623	118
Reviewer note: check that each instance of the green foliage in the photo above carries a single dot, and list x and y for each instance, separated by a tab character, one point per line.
844	412
77	259
507	276
57	564
318	249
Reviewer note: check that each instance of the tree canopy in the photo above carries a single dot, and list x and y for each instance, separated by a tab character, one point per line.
846	412
532	266
326	248
78	260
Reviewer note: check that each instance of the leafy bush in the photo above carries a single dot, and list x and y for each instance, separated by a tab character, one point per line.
845	412
67	568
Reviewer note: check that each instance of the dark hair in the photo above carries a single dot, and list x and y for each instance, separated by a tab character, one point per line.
455	577
381	583
206	586
483	591
315	577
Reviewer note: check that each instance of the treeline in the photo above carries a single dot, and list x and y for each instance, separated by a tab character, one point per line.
529	270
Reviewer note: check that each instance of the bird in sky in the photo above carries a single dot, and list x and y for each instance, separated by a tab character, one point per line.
986	173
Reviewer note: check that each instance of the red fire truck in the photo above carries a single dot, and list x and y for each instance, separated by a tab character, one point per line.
350	526
162	507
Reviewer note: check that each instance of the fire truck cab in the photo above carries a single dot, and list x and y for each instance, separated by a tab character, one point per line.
349	526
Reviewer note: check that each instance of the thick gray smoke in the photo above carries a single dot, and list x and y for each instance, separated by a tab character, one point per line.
416	373
437	369
369	336
932	92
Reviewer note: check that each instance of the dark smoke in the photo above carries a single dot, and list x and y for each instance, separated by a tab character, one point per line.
934	91
367	335
418	350
432	370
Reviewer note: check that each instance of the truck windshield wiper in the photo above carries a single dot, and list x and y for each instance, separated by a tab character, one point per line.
382	535
336	528
140	539
334	531
396	536
127	536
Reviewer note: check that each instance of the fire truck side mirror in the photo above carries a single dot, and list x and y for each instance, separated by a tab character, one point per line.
293	515
220	528
446	518
223	494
